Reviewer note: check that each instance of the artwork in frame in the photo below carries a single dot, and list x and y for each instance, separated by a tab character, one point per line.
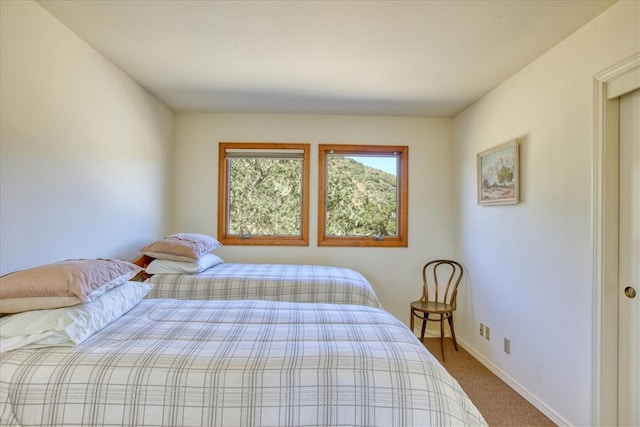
498	175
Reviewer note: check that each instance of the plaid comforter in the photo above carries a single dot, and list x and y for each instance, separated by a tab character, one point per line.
268	282
236	363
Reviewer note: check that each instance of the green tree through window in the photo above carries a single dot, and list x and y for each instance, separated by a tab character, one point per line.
265	196
360	200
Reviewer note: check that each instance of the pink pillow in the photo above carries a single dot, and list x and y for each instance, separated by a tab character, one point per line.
186	247
62	284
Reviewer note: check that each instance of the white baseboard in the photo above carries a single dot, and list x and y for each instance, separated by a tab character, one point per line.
550	413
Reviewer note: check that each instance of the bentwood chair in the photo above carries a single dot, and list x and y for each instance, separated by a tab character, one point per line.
440	280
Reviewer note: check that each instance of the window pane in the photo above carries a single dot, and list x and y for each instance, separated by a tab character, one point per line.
363	199
361	195
265	196
263	193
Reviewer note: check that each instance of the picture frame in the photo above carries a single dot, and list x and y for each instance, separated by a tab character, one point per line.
499	175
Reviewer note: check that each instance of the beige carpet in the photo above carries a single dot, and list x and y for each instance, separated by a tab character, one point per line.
497	402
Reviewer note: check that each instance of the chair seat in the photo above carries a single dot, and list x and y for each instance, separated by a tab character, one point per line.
432	307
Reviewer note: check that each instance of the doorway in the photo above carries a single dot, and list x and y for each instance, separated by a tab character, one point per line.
616	336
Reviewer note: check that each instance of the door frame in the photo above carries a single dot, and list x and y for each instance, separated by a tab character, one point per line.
609	85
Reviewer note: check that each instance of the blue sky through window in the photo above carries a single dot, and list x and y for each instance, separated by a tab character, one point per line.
384	163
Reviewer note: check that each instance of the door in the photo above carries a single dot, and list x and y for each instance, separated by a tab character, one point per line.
629	262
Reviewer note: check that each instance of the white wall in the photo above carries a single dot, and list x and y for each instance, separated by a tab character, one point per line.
393	272
84	149
530	265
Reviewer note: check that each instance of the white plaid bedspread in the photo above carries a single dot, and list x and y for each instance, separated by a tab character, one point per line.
268	282
236	363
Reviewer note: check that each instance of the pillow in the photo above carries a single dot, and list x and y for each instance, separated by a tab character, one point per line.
186	247
160	266
62	284
69	326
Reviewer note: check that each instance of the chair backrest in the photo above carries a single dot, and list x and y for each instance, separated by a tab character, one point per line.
440	280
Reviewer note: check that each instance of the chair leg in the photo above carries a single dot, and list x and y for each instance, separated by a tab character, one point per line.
411	315
453	332
442	336
424	326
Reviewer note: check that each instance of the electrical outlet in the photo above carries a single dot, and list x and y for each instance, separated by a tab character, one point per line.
507	345
487	333
482	329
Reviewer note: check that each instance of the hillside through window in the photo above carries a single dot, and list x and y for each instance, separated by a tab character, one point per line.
363	195
263	194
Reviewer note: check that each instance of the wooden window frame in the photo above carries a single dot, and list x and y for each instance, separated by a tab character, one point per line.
223	190
401	240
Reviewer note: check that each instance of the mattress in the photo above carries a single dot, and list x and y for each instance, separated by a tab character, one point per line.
236	363
269	282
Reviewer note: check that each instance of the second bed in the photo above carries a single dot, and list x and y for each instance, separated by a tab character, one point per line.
268	282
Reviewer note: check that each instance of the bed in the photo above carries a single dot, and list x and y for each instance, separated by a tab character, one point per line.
271	282
183	266
183	363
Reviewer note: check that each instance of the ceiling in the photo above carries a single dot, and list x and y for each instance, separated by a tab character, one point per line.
412	58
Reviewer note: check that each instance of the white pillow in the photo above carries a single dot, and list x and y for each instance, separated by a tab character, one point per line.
68	326
165	266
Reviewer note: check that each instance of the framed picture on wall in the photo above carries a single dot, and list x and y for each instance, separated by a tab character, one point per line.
498	175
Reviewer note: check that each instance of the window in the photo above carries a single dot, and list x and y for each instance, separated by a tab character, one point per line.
263	194
363	193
